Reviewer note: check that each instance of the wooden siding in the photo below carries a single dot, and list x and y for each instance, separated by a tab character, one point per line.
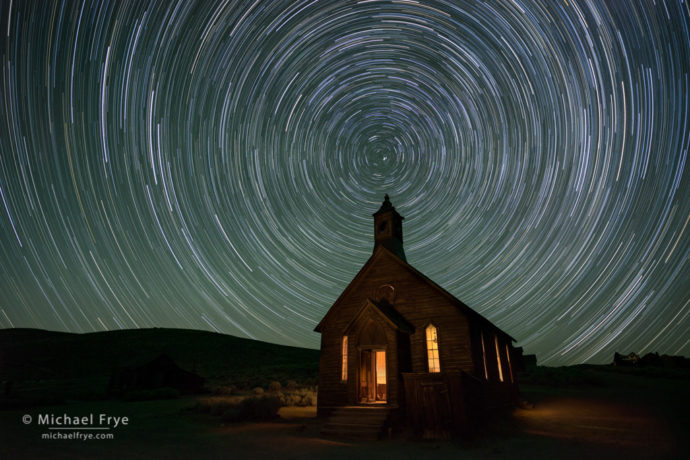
420	303
332	392
450	403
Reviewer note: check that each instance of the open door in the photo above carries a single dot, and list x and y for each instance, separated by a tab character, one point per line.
372	376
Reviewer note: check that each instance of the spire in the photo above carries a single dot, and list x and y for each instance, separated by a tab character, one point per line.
386	205
388	228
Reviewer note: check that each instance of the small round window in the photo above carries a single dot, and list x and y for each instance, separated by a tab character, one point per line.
385	293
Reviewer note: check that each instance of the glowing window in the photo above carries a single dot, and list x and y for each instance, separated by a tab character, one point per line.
344	353
498	360
486	368
380	367
510	366
432	348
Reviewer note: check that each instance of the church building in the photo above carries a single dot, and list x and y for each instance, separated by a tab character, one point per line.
397	349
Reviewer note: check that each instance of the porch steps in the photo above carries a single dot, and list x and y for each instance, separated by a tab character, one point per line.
357	422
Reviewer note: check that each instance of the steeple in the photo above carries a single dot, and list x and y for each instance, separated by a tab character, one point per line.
388	228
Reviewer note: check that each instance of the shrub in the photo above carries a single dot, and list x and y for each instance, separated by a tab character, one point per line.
253	409
274	387
214	406
223	390
259	408
258	391
290	399
302	398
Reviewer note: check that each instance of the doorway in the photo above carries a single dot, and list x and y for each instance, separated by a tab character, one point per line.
372	376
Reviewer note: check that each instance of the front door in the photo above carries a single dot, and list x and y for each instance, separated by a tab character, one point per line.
372	376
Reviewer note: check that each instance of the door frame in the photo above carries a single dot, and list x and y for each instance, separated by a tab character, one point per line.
373	378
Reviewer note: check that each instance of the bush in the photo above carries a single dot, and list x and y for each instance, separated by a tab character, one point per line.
253	409
302	398
274	387
260	408
290	399
258	391
223	390
214	406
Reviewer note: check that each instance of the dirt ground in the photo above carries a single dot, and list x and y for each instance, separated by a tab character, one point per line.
559	426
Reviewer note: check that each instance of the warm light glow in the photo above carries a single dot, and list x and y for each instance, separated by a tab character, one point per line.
344	353
510	366
381	367
486	368
498	360
432	349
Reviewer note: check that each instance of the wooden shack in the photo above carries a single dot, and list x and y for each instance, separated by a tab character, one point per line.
396	341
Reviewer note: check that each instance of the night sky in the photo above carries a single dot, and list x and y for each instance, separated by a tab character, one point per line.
215	166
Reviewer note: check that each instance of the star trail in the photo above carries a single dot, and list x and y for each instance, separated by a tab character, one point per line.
215	165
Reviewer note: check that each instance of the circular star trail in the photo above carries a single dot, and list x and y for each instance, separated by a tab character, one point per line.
215	165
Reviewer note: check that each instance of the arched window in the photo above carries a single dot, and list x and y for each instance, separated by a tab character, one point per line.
343	374
432	348
498	360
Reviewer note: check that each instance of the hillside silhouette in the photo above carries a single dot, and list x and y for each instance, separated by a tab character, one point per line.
45	365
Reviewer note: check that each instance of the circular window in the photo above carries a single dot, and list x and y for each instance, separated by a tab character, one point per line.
385	292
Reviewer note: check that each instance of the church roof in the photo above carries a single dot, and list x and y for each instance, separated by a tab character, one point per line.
382	251
388	313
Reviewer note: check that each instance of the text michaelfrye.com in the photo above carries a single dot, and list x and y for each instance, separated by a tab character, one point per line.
76	427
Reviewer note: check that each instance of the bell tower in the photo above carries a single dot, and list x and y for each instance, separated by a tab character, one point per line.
388	229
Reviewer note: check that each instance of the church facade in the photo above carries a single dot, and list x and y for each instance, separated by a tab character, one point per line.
396	339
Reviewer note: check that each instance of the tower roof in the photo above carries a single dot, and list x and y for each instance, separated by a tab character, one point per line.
388	229
386	206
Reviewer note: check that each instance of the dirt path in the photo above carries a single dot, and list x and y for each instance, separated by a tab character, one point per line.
558	427
594	427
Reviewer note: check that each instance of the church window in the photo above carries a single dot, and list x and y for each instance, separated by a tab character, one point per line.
486	368
498	360
510	366
432	348
343	374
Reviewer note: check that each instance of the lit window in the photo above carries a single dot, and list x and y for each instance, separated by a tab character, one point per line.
432	349
510	366
380	368
498	360
486	368
344	352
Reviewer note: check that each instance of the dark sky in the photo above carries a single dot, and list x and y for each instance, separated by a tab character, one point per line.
215	165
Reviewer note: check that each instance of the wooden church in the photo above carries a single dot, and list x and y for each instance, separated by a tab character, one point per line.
397	349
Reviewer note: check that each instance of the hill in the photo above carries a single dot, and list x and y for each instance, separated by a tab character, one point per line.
67	365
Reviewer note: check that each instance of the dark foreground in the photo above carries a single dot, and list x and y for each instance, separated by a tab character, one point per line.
600	412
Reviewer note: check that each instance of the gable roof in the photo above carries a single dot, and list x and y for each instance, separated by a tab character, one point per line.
389	314
381	252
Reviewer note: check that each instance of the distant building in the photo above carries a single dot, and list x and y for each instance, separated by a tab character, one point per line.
396	348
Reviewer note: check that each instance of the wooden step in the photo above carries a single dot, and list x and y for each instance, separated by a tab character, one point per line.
357	422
